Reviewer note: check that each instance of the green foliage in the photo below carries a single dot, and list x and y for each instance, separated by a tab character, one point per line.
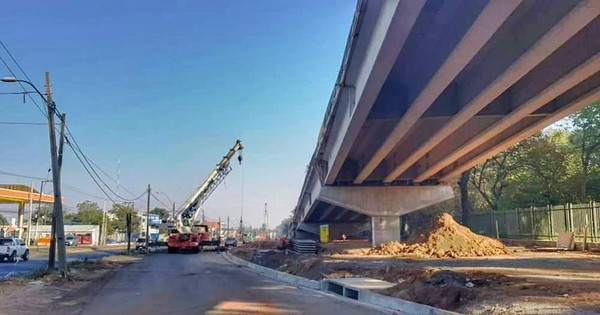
119	223
283	227
89	212
43	214
163	213
3	220
559	165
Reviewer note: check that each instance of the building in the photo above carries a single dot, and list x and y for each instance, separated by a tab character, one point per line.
41	233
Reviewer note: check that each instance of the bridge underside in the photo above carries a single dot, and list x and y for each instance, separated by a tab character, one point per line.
429	89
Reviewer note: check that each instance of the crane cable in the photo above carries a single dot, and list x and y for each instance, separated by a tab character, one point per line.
240	158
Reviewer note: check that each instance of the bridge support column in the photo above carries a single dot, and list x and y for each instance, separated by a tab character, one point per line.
385	229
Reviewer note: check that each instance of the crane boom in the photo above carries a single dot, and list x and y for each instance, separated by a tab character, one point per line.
187	213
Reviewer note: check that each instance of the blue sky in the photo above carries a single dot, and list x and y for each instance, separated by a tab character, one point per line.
167	88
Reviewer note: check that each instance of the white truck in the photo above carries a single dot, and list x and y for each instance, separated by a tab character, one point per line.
13	248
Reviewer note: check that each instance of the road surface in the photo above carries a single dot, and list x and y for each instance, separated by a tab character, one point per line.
38	262
206	283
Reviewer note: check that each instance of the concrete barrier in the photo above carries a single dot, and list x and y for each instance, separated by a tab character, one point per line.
357	295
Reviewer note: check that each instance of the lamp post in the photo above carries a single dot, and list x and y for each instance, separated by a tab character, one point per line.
58	211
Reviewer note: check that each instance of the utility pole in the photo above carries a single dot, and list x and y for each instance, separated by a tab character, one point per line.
266	222
227	224
104	225
148	221
30	214
61	144
37	216
58	211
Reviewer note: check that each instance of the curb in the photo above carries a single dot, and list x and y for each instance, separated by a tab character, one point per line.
363	296
274	274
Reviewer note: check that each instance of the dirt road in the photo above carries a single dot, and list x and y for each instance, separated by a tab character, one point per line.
205	284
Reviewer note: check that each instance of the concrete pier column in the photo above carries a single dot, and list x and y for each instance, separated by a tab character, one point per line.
20	214
385	229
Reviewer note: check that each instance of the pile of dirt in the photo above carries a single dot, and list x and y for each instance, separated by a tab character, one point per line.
445	238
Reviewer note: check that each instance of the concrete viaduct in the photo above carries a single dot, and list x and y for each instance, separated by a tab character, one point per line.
430	88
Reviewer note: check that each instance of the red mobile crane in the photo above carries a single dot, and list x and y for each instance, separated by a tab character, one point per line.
184	232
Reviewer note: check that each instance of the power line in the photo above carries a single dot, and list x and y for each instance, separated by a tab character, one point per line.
25	74
23	123
78	148
20	175
18	93
160	201
89	173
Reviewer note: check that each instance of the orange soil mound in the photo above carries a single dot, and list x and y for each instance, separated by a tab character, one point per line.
445	238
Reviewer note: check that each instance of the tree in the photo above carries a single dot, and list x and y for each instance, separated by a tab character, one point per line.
43	214
119	222
465	202
3	220
283	227
586	142
162	213
89	212
491	178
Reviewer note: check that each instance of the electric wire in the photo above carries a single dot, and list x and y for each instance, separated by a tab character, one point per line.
20	175
78	148
23	123
160	201
25	74
89	173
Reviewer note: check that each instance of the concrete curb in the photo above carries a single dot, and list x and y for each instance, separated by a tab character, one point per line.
274	274
365	297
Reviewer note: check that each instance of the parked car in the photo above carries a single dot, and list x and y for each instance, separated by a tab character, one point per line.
140	244
12	248
71	240
230	241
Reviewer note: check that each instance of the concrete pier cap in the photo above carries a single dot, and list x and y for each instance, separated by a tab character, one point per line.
385	205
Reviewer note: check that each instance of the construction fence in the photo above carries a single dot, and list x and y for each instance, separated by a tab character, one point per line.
540	223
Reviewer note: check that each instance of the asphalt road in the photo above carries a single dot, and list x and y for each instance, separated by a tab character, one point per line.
38	262
206	283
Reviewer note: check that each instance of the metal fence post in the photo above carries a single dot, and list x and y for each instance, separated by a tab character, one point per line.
550	222
531	218
594	231
571	225
518	217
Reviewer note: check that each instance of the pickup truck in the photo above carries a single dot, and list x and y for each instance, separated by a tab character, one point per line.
12	248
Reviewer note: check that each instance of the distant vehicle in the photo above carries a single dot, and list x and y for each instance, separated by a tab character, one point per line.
12	248
230	242
71	240
140	244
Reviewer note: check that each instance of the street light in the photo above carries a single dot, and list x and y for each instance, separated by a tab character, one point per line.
57	218
15	80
